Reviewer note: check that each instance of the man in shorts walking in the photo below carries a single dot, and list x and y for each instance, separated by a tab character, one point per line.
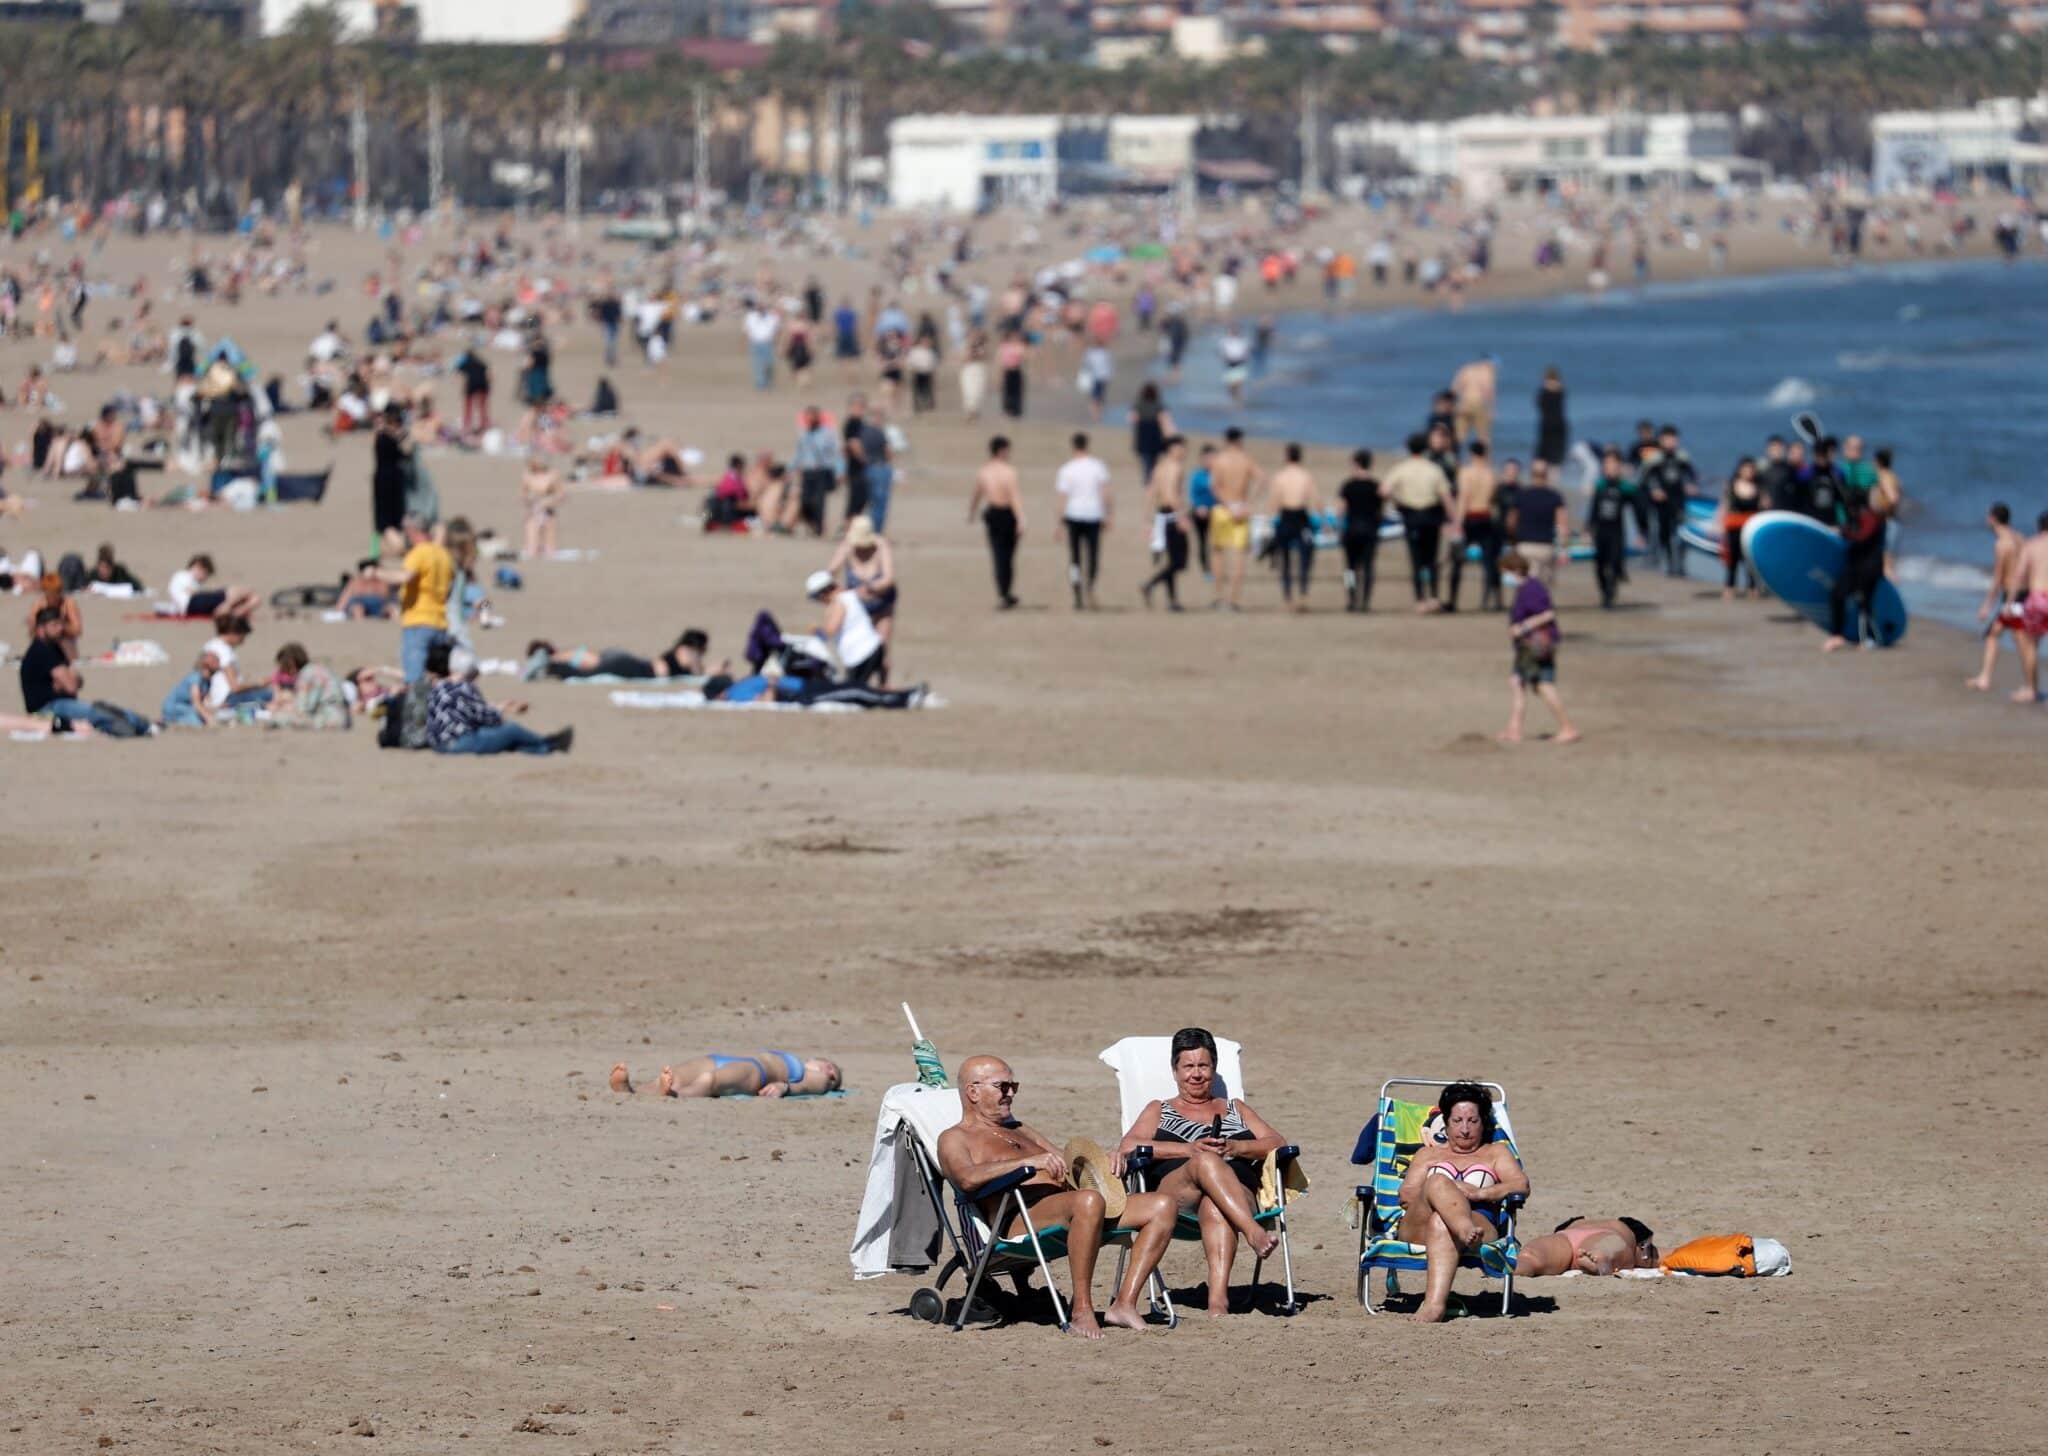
1234	480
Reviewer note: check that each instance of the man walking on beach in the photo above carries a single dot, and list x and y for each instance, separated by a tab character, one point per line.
1421	492
818	463
1539	523
1670	479
1085	512
1474	387
1295	505
2032	590
1002	516
1233	480
2000	610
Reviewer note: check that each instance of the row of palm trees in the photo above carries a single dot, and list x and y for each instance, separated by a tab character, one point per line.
161	101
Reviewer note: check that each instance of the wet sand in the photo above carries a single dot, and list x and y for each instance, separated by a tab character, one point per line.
307	1042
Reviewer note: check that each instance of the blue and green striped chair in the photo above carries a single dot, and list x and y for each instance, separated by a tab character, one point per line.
1388	1144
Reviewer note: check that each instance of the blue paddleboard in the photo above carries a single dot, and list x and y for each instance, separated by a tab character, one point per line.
1701	528
1798	559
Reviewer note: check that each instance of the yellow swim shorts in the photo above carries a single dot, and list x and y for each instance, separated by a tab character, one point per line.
1227	532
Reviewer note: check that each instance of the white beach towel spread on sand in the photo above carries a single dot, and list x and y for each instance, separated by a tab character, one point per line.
139	653
898	1228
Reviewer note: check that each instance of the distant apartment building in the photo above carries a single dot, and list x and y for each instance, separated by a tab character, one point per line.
966	163
1486	156
1515	31
1993	141
663	22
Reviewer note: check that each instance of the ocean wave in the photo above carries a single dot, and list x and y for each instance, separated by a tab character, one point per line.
1933	571
1791	392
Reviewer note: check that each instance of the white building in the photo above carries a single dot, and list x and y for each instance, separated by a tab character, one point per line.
962	163
500	22
1910	150
1488	155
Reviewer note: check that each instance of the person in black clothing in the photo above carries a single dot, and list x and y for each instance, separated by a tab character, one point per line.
1639	456
476	391
1363	507
1607	520
388	477
610	314
1176	331
1862	530
1774	477
1553	435
1821	485
1668	480
1151	424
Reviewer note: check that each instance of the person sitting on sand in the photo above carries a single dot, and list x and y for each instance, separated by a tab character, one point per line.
307	694
459	720
1208	1153
367	594
989	1143
193	593
107	570
1590	1246
188	704
760	1073
1449	1183
684	659
53	598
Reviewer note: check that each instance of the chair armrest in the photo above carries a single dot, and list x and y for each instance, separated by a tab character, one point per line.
997	1186
1365	1191
1139	1158
1287	1154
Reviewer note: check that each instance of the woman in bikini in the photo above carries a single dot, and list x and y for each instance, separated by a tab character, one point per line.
1451	1189
763	1073
1217	1178
1591	1246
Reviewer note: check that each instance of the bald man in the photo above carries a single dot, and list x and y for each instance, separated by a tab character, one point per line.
989	1143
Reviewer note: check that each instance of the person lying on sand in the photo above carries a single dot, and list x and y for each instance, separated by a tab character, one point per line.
761	1073
1591	1246
683	659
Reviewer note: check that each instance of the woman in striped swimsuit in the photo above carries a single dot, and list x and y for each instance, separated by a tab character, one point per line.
1217	1176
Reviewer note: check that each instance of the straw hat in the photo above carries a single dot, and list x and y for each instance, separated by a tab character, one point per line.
1089	1166
860	533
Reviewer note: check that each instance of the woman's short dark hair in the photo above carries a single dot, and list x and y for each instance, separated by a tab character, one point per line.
1192	1039
1473	1093
292	657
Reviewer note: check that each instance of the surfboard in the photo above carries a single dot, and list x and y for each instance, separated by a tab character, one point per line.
1798	559
1701	528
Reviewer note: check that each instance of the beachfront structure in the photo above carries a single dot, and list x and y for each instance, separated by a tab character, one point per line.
966	163
1485	156
1915	150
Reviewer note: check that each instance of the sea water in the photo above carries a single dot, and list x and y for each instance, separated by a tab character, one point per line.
1945	362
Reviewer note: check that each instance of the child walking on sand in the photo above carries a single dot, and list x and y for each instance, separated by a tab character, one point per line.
1532	628
541	492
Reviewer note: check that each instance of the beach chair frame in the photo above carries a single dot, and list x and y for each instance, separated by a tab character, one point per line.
1372	1228
982	1255
1188	1226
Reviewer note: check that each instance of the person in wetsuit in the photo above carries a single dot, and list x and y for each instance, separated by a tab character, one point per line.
1669	480
1861	526
1295	504
1607	521
1362	508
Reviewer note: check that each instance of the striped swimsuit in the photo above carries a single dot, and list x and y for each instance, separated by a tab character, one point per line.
1176	1126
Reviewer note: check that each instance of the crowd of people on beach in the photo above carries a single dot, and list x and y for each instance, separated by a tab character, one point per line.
437	310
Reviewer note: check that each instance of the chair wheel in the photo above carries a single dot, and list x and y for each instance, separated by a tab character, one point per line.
929	1306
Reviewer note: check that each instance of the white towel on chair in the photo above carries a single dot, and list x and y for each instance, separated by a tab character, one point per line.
1144	1071
897	1224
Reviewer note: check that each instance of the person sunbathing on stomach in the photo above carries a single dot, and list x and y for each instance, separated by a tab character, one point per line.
1447	1186
762	1073
1591	1246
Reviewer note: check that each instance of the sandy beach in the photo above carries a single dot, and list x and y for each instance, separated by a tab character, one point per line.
306	1042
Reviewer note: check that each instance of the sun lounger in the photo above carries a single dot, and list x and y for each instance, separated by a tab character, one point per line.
1144	1073
913	1117
1388	1144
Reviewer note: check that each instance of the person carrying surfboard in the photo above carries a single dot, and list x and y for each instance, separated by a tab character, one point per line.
1861	526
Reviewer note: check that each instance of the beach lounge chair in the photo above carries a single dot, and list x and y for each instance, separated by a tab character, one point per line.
1388	1144
913	1117
1144	1073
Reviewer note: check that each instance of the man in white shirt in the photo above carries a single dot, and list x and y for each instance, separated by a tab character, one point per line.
1085	512
327	346
762	325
